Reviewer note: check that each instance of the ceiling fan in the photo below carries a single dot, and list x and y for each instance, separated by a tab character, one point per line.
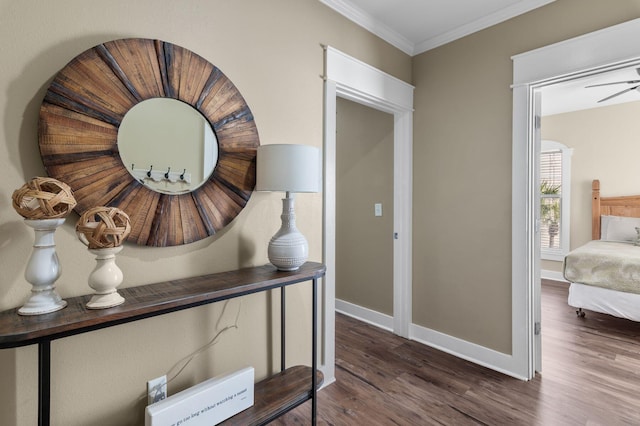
628	89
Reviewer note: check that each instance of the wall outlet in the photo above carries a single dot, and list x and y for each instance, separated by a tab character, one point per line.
156	389
377	209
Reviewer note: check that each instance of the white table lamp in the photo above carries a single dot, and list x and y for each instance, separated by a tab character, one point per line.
290	169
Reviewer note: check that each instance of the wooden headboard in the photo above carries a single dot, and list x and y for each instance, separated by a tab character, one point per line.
628	206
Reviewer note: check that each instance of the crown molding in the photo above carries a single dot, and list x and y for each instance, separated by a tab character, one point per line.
369	23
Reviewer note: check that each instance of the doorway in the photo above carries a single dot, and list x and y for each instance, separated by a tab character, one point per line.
351	79
601	130
589	54
364	213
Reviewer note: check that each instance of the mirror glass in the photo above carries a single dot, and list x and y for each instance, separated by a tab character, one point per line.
167	145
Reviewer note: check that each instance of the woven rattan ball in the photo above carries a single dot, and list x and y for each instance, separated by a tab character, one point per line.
103	227
43	198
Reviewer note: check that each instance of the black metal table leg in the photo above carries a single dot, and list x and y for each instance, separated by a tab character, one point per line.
314	352
44	383
282	329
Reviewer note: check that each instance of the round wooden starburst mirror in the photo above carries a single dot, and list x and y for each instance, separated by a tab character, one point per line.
80	119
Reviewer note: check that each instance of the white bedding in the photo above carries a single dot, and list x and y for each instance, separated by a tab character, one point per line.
604	300
612	265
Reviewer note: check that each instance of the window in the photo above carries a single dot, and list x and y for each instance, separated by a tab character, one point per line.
555	190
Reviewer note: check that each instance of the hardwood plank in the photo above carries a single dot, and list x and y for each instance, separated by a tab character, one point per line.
591	375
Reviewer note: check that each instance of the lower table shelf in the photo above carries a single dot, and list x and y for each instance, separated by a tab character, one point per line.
277	395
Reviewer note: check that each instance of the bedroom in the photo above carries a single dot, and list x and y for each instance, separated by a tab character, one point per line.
591	119
604	148
594	116
601	141
276	63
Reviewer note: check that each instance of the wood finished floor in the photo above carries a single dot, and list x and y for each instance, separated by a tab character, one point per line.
591	376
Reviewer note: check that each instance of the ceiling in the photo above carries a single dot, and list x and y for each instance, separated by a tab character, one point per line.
416	26
574	95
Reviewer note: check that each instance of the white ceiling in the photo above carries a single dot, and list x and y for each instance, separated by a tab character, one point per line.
574	95
415	26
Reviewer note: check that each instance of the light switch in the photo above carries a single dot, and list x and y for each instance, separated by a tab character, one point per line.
377	209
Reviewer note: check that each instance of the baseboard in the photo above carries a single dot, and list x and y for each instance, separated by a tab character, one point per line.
471	352
552	275
367	315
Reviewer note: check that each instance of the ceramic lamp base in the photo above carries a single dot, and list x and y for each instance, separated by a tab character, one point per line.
288	249
288	254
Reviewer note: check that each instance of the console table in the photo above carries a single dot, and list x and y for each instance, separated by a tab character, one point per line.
274	396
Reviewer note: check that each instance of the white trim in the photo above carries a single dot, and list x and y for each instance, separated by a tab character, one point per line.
358	80
402	221
552	275
555	255
352	79
612	45
367	315
466	350
328	336
522	220
597	51
371	24
393	37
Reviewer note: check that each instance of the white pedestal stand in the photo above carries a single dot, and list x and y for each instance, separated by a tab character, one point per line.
43	269
105	278
288	248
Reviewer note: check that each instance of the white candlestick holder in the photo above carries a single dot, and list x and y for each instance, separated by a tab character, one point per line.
43	269
105	279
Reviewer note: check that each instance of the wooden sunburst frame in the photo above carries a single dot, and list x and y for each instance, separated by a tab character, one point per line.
78	129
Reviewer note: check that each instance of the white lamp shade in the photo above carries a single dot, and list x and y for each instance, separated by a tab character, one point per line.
288	168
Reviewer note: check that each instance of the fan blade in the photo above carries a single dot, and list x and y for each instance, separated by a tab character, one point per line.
618	94
615	82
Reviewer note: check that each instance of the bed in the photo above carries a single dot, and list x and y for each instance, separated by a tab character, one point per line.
604	274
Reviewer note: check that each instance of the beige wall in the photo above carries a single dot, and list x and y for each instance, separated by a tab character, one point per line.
271	51
462	167
364	176
605	146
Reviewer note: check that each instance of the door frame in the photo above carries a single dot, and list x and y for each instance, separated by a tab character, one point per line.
596	52
349	78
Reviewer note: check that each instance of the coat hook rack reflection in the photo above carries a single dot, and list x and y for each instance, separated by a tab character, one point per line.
160	176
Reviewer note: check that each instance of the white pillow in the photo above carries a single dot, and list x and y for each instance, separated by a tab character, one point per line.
619	228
